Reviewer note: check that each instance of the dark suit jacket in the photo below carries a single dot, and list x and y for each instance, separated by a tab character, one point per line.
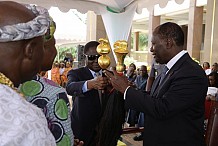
174	112
86	106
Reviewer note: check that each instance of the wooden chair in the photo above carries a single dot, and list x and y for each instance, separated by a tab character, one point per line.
212	127
132	130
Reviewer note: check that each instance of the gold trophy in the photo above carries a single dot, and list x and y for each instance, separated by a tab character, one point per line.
103	49
120	50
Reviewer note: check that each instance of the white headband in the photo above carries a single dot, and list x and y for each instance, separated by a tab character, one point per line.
22	31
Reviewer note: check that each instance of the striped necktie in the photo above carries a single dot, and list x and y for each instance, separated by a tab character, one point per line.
163	74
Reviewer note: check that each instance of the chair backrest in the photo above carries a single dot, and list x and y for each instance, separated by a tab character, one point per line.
207	108
212	127
132	130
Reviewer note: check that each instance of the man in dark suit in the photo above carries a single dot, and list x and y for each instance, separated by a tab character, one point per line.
84	84
174	111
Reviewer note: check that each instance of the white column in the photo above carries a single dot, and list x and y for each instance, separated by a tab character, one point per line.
195	23
211	35
154	21
91	26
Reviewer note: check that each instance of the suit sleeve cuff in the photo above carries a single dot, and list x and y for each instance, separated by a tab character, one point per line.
84	88
125	92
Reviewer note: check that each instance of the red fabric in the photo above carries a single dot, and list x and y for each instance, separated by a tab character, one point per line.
207	108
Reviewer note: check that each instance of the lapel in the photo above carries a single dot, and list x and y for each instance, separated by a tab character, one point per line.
88	76
156	88
87	73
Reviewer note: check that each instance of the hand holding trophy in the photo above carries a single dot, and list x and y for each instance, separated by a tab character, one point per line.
113	113
120	50
103	49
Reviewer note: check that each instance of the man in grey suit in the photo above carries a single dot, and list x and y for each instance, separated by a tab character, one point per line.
84	84
174	110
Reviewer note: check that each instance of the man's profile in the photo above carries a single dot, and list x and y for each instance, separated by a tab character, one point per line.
22	28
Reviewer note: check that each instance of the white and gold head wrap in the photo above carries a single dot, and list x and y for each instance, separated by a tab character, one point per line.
23	31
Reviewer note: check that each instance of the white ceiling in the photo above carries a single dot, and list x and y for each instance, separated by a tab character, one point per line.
181	17
96	5
117	4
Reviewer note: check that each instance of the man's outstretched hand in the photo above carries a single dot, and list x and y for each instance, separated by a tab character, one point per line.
119	82
98	83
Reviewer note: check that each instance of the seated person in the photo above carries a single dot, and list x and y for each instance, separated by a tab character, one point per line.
206	67
212	94
214	67
131	75
213	86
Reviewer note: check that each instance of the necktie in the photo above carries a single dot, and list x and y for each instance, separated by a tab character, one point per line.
96	74
99	91
163	74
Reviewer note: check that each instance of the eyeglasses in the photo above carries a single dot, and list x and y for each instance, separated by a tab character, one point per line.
50	32
92	57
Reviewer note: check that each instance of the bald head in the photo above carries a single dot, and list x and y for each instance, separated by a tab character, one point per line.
14	13
171	30
167	41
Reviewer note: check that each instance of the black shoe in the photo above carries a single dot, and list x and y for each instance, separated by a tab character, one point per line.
138	137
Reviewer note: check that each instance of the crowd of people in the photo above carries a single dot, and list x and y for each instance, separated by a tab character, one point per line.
168	101
212	74
59	72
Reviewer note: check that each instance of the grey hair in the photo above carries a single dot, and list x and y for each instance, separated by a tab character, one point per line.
23	31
